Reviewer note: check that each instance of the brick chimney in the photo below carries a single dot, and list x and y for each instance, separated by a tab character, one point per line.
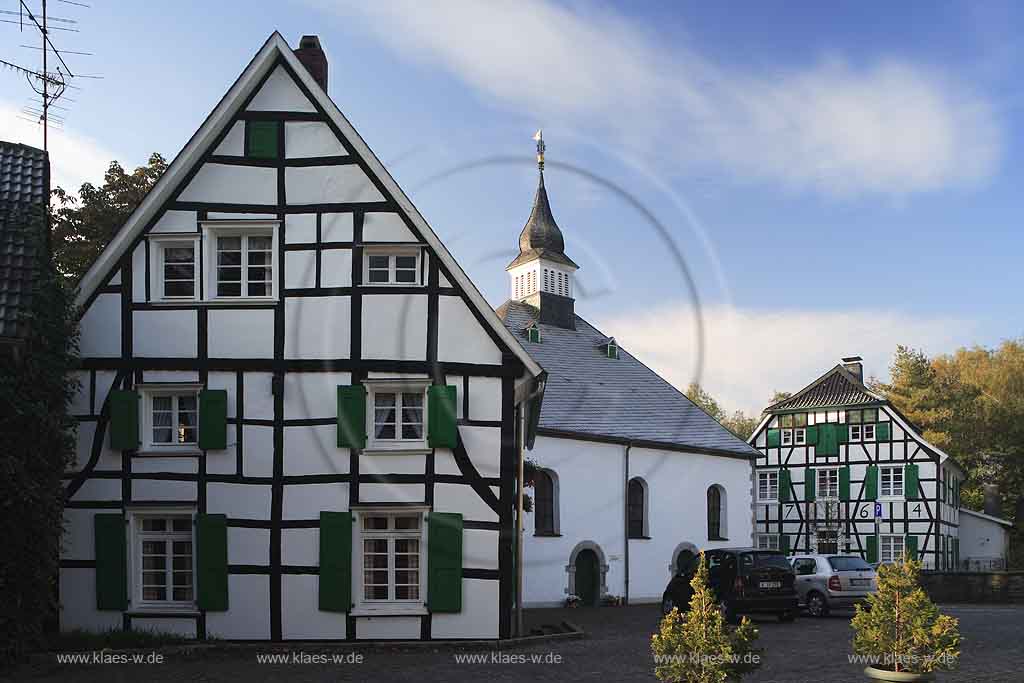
855	366
313	58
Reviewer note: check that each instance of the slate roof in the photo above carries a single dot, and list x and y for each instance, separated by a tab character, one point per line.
24	186
589	393
837	387
541	237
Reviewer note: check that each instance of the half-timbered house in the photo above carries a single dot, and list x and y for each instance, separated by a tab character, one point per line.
297	413
835	453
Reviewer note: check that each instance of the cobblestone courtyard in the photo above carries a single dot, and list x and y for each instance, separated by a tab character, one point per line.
616	649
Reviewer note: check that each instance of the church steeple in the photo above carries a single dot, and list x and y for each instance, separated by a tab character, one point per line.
541	275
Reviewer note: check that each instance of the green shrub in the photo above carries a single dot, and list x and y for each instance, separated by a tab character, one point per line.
699	647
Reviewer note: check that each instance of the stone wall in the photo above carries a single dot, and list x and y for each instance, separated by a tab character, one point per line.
999	587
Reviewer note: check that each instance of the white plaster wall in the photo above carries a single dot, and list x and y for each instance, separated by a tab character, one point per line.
381	226
248	614
318	327
176	221
257	451
460	338
227	382
484	398
590	483
483	444
240	333
78	603
388	463
314	450
392	493
256	390
233	144
462	499
80	404
245	501
387	628
336	268
336	227
300	228
300	547
327	184
310	139
480	548
229	184
108	460
479	615
280	93
155	489
164	333
139	273
313	394
980	538
301	618
299	269
101	328
185	628
395	326
307	501
248	546
677	489
78	540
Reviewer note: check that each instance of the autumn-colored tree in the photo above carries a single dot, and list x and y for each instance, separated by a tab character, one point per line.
738	423
83	225
699	647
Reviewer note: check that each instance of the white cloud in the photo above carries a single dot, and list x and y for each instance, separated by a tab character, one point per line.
891	127
750	354
75	158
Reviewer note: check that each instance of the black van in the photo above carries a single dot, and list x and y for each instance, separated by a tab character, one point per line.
744	580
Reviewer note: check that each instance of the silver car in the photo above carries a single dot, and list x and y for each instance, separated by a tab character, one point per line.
826	582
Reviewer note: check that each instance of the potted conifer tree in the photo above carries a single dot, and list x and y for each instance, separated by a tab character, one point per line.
900	630
699	647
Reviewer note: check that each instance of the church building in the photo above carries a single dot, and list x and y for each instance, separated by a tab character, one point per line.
297	414
630	477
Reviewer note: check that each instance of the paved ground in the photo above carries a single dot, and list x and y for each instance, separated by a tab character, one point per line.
617	649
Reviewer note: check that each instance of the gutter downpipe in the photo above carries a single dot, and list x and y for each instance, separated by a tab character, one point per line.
625	525
521	435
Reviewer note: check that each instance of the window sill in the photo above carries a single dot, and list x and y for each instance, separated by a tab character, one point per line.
162	612
718	539
639	538
544	535
396	451
172	452
418	610
234	301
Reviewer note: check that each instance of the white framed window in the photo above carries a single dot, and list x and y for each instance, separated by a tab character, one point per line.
799	436
391	266
391	547
240	259
768	485
766	541
828	482
170	419
162	560
855	432
890	548
174	265
787	437
891	482
397	414
869	432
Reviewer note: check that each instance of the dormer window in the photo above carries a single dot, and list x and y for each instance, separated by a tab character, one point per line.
611	349
533	333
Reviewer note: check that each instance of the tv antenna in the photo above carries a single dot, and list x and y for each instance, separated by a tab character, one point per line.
54	79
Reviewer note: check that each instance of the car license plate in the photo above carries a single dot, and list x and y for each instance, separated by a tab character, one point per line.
771	584
860	582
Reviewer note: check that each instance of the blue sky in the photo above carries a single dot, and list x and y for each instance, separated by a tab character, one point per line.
839	178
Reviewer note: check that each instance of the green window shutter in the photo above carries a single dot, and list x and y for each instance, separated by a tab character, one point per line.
212	562
812	435
844	483
827	444
842	433
882	432
809	482
124	420
872	549
442	428
111	562
352	416
213	419
910	546
956	554
335	561
261	139
910	482
774	438
784	484
444	562
784	544
871	483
